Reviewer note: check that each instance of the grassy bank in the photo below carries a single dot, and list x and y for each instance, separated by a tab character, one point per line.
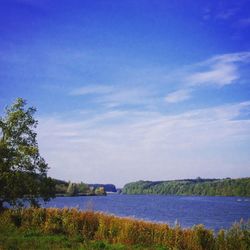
18	239
73	229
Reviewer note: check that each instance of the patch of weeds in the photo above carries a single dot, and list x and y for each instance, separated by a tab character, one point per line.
31	233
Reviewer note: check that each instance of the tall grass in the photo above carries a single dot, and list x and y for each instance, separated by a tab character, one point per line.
115	230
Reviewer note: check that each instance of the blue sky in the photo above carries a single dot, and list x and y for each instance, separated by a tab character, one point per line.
129	90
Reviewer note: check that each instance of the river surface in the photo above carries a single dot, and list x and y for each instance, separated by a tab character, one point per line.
213	212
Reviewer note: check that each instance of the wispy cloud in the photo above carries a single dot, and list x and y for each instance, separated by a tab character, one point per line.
114	96
178	96
216	71
128	96
110	146
219	70
220	74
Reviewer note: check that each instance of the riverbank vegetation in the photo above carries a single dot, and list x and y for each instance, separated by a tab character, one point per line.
73	229
77	189
64	188
198	186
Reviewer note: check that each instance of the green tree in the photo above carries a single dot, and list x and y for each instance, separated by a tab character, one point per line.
23	172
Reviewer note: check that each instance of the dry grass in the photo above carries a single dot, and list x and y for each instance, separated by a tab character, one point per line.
115	230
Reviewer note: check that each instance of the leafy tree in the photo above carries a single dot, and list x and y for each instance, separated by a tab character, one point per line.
23	172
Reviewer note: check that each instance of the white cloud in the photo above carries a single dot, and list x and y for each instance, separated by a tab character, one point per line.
178	96
124	146
115	96
219	70
220	74
230	58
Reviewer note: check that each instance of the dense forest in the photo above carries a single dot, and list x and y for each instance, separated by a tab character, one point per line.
198	186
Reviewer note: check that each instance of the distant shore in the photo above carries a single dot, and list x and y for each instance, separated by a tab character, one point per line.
198	186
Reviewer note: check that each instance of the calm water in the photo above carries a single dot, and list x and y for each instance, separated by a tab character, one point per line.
213	212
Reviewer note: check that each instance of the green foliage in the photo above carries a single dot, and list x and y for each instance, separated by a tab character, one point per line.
210	187
73	189
72	229
23	172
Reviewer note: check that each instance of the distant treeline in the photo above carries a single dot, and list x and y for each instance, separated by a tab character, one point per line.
198	186
64	188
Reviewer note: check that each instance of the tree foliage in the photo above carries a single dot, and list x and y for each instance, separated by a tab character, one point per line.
23	172
209	187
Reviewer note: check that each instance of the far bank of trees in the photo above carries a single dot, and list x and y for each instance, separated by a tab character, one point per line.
199	186
64	188
77	189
